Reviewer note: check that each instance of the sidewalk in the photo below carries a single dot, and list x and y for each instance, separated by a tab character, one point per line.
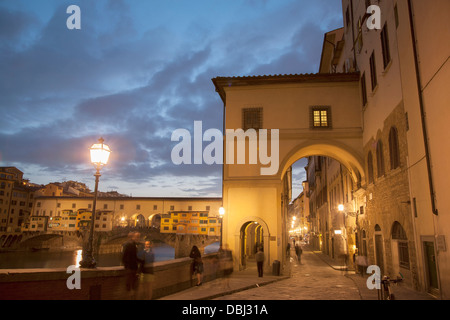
238	281
401	292
247	279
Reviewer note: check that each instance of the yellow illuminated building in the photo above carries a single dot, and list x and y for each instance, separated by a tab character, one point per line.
67	221
190	222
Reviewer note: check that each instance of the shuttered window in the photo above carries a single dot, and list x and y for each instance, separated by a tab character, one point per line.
252	118
385	46
373	71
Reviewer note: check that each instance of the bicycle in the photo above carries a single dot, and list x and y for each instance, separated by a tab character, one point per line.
385	292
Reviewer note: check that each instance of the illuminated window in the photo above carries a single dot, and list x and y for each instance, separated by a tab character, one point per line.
321	117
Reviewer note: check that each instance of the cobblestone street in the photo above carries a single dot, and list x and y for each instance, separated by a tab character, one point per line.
317	277
313	279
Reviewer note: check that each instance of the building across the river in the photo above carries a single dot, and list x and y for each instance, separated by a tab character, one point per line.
191	222
112	212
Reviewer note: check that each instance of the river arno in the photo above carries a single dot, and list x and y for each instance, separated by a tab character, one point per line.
42	259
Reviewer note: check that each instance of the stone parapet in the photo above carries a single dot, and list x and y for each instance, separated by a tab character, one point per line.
106	283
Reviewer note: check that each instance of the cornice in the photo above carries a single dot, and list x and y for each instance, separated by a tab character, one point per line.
221	83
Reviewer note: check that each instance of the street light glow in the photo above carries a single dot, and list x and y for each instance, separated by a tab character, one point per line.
100	153
99	157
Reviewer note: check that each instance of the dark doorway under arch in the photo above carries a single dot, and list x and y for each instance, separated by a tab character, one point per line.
251	238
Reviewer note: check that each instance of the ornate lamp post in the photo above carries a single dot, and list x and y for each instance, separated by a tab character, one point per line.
99	157
221	214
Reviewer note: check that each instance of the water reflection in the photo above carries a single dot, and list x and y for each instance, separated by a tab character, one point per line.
41	259
78	258
212	248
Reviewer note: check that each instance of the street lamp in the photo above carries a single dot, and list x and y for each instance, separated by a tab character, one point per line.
341	208
99	158
221	214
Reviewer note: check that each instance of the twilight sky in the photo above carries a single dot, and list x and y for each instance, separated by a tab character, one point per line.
136	71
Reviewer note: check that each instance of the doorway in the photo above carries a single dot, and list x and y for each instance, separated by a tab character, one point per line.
379	251
251	238
431	267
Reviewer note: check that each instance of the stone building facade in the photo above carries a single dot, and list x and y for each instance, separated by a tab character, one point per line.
390	134
388	200
16	199
404	68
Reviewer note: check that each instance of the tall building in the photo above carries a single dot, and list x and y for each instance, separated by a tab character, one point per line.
403	221
378	106
16	199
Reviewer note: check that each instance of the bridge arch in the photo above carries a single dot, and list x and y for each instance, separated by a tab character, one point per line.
138	219
155	220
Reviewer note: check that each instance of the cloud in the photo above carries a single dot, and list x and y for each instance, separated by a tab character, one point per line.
133	81
16	25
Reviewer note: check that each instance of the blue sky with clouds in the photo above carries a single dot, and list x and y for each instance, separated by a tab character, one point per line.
136	71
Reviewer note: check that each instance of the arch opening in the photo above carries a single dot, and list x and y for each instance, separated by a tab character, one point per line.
251	238
341	153
251	233
325	200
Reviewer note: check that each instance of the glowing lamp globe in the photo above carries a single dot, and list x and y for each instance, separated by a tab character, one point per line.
100	153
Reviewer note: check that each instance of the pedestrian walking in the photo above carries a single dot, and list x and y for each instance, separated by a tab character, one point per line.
197	264
130	261
299	251
288	249
146	258
260	261
362	264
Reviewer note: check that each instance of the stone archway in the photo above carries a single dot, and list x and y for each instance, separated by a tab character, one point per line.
252	232
348	157
154	220
285	106
137	220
